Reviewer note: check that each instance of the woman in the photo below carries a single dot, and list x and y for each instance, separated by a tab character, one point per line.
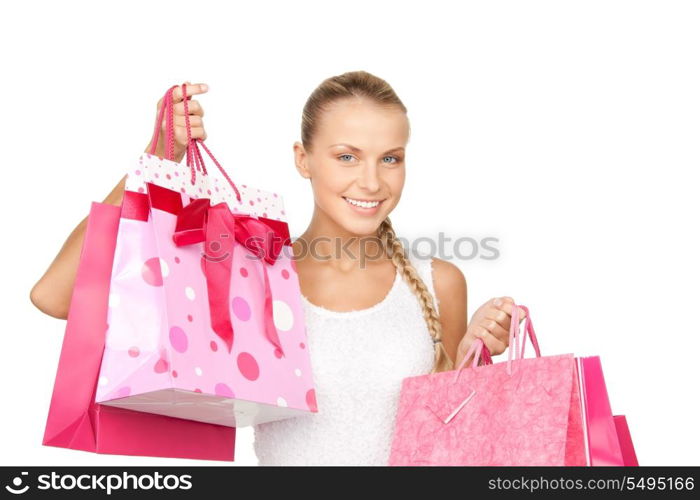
374	313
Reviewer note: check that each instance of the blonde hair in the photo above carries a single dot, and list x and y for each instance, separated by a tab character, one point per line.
361	84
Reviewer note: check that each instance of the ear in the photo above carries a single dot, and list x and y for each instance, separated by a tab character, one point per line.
301	160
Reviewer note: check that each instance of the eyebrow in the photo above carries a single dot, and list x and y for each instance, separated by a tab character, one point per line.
357	150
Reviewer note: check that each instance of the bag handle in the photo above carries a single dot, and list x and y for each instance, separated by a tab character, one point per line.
193	154
198	155
479	350
167	109
514	335
169	130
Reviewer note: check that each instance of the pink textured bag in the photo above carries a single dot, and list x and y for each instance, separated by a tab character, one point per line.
521	412
205	319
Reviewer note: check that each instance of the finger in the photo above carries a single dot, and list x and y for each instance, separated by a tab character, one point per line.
497	330
498	315
195	121
199	133
192	89
180	122
505	299
193	107
505	304
494	345
195	133
177	93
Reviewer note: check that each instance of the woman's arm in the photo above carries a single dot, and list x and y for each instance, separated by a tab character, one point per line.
451	292
52	293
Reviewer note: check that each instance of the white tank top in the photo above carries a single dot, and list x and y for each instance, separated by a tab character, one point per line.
359	359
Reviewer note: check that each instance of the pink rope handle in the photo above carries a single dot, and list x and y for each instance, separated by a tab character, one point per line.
514	336
171	125
166	109
198	158
190	154
194	161
197	143
194	155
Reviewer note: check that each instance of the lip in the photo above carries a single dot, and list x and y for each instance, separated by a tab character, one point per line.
362	210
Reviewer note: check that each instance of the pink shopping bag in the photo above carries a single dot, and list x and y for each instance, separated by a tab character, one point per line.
75	420
629	457
205	319
607	438
521	412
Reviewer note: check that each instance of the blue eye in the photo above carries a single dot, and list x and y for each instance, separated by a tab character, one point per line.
341	156
396	160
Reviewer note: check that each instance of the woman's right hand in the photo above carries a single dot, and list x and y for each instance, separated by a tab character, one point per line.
196	112
52	292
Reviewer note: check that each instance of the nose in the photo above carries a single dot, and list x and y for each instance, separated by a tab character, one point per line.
369	178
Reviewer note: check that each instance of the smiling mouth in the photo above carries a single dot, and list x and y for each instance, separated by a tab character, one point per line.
362	203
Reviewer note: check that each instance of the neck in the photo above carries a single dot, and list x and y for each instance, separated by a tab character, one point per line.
327	243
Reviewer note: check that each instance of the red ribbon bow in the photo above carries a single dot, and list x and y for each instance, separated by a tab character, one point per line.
215	224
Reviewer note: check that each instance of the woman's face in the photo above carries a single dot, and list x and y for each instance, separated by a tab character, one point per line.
357	168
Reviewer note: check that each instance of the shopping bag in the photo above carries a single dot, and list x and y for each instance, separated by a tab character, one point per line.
607	438
520	412
523	412
629	457
205	319
75	420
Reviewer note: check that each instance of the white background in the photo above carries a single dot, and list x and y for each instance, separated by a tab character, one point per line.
567	130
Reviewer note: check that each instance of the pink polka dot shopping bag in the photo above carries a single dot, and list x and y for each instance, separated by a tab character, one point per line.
541	411
205	314
204	319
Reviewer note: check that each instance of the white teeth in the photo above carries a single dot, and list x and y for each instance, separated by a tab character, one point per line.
363	204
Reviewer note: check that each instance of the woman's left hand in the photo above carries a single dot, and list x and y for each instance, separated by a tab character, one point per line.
490	323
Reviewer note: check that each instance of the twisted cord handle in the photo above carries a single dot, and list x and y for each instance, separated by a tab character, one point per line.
194	160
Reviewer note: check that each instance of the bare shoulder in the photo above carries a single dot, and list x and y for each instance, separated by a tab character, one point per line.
451	292
448	280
